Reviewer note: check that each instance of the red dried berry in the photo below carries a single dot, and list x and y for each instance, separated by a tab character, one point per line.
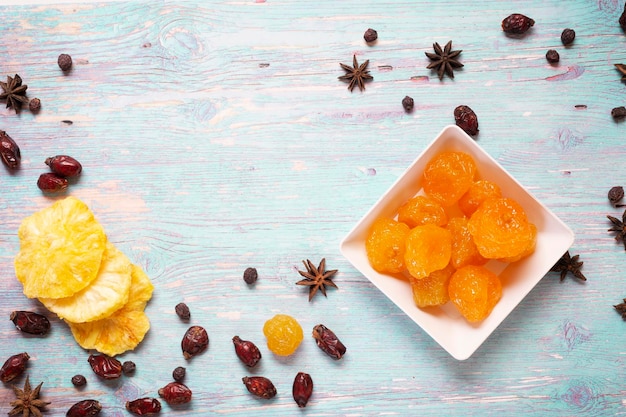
13	367
9	151
260	386
182	311
50	182
247	351
30	322
370	35
144	406
302	389
195	341
79	380
466	119
128	368
622	19
179	373
64	166
65	62
517	24
408	103
84	408
105	366
552	56
175	393
328	341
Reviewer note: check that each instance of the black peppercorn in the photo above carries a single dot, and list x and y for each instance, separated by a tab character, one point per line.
79	380
65	62
128	367
552	56
250	275
567	36
182	310
370	35
34	105
408	103
179	373
619	113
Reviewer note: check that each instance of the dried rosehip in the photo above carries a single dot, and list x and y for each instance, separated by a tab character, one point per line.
552	56
622	19
84	408
144	406
302	389
567	36
9	151
250	275
260	386
30	322
618	113
466	119
328	342
370	35
64	166
175	393
408	103
517	24
128	367
50	182
79	380
105	366
65	62
182	311
195	341
179	373
247	352
13	367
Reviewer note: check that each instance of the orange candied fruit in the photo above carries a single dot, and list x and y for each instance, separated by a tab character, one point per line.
501	229
284	334
478	192
448	176
475	291
422	210
464	250
432	290
428	249
385	245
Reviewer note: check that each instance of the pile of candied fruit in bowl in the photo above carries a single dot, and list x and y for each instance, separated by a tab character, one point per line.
442	239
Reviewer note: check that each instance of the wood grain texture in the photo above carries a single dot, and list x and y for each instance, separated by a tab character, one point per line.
215	136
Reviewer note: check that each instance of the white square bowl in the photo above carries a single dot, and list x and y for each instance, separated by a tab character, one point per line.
445	324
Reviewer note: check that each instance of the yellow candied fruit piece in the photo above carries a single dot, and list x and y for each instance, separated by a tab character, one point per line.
432	290
464	250
428	248
422	210
475	291
448	176
284	334
385	245
478	192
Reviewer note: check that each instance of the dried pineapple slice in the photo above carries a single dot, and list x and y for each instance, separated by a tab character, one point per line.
124	329
61	250
106	294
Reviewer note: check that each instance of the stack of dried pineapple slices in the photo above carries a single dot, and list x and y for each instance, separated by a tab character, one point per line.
66	261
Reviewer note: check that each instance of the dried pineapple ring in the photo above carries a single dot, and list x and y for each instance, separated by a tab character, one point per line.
124	329
105	295
61	250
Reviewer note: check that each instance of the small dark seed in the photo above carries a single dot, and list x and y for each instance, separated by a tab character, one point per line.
128	367
79	380
250	275
552	56
370	35
619	113
408	103
182	310
567	36
65	62
179	373
615	195
34	105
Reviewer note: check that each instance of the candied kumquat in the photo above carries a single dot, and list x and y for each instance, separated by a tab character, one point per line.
428	249
448	176
478	192
385	245
422	210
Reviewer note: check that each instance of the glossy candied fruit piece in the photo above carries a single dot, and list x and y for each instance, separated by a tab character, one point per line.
475	291
501	229
428	249
448	176
284	334
421	210
464	250
530	249
432	290
478	192
385	245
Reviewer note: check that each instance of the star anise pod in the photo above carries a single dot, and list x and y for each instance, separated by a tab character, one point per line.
619	226
356	74
28	402
316	278
622	69
569	263
621	309
444	60
14	92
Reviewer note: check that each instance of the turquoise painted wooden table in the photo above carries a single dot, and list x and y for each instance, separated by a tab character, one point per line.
215	136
